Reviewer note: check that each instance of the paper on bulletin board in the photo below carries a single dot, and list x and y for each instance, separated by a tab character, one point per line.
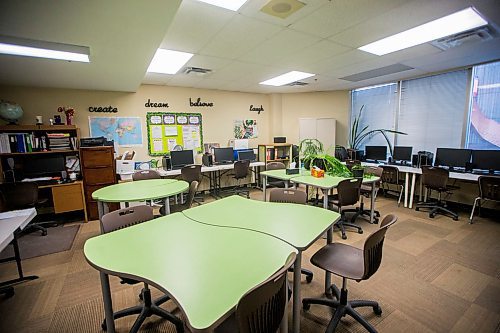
156	132
191	137
171	143
157	145
171	130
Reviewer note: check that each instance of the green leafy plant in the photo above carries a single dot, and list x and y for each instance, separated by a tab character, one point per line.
309	147
358	136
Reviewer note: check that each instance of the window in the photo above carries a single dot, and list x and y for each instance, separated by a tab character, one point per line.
432	111
380	106
483	127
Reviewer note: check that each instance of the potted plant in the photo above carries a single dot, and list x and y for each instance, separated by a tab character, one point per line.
308	149
357	171
359	135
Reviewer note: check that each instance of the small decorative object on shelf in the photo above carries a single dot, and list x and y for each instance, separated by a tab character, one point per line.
57	119
10	111
69	112
39	120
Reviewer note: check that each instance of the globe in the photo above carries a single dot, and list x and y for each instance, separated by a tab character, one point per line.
10	112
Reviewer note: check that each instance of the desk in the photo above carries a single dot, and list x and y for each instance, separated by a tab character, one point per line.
298	225
201	267
281	175
213	173
8	231
139	190
67	197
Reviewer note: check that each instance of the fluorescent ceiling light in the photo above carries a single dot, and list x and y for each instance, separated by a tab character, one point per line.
168	61
287	78
463	20
43	49
233	5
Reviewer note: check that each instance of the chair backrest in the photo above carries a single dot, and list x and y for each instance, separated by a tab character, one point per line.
372	249
376	171
146	174
275	166
262	308
191	173
192	192
126	217
241	169
489	187
20	195
434	177
349	191
287	195
390	174
341	153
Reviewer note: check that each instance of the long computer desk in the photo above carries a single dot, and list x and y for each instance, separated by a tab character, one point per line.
409	187
10	224
201	267
214	173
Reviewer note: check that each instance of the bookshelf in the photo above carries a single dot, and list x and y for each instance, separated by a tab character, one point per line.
22	145
276	152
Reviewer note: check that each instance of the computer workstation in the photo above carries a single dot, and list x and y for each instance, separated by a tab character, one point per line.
376	154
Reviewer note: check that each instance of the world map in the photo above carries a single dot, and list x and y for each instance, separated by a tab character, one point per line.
125	131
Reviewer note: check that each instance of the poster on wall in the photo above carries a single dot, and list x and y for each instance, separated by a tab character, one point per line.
246	129
125	131
169	131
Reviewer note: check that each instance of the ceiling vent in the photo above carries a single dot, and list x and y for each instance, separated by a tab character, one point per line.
472	36
282	8
297	83
197	71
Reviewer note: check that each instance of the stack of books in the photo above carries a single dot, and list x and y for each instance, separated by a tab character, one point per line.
59	141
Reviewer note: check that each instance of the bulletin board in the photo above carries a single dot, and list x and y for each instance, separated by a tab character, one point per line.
167	130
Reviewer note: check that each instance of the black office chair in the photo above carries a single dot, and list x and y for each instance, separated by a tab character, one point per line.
192	173
291	196
366	192
390	175
21	195
187	204
349	262
262	309
273	182
124	218
436	179
489	189
348	192
241	172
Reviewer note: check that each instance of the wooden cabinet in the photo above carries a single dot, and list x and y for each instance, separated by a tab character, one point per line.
98	170
277	152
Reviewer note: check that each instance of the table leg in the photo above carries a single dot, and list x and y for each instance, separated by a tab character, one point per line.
372	203
329	236
420	189
167	206
287	185
296	292
406	189
108	303
264	185
100	209
412	190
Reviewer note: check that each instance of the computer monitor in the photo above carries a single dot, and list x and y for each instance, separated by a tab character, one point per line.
452	157
181	158
376	153
44	166
402	153
246	155
486	160
224	155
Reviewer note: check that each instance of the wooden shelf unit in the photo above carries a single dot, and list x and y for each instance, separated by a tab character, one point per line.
275	152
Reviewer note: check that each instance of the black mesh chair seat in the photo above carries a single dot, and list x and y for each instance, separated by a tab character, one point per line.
352	263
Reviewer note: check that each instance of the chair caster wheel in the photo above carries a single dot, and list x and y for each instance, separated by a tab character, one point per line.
417	209
103	326
455	219
360	231
377	310
344	237
44	233
306	306
431	216
309	278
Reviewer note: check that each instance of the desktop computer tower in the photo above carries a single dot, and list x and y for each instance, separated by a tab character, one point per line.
422	158
167	163
207	159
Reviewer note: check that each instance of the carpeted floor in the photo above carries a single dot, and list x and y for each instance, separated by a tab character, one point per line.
437	275
32	245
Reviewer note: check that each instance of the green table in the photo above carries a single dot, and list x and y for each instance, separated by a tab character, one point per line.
281	175
139	190
298	225
204	269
